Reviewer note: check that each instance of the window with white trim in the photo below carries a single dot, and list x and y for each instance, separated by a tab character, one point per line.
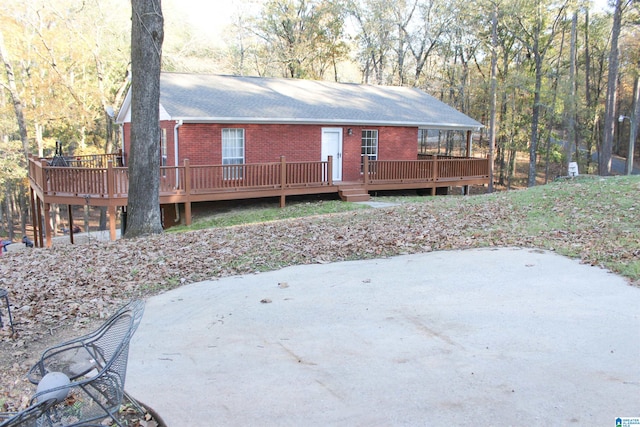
163	150
369	146
233	152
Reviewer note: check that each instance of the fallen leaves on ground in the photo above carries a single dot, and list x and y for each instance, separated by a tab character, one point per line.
61	291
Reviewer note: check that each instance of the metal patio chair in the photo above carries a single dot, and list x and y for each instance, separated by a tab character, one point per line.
96	365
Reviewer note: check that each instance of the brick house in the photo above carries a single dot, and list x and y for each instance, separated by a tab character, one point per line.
228	138
219	120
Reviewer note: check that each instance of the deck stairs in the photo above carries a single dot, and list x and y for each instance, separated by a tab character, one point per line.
353	193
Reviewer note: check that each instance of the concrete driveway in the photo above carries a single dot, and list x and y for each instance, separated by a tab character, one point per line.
466	338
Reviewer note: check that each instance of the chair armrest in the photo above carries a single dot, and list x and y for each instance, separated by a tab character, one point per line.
74	360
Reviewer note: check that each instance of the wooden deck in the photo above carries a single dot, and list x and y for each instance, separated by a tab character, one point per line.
98	181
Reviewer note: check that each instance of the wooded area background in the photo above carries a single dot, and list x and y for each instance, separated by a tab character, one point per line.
551	78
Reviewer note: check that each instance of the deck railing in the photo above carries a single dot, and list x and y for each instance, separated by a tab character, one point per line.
453	169
234	177
109	186
94	160
238	177
110	181
113	182
70	180
432	170
398	170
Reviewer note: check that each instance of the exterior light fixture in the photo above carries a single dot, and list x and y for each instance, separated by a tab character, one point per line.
349	131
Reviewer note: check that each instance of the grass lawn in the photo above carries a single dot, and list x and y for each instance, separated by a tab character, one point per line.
593	218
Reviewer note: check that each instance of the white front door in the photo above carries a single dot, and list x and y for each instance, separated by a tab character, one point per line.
332	146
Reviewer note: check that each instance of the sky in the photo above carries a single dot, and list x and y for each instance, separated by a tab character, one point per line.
212	16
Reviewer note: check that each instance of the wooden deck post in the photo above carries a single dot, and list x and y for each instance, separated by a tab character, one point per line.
466	187
434	171
330	170
111	208
70	215
283	180
47	225
111	211
39	204
187	191
365	171
34	220
110	183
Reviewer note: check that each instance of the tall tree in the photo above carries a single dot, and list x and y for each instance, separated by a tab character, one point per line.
376	25
15	97
552	117
493	93
432	20
509	54
633	125
306	36
604	161
571	139
587	79
537	34
147	34
597	28
70	58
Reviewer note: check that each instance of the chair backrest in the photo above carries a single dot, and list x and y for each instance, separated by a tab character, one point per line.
110	346
112	343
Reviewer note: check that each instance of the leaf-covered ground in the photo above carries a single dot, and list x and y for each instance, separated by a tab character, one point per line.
61	291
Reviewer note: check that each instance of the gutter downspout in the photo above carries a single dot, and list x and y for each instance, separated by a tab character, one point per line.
175	154
122	143
175	148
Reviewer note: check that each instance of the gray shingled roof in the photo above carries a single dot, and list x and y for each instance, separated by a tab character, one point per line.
233	99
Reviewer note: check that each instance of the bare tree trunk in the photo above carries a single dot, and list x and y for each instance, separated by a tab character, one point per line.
587	80
15	97
39	139
85	217
535	119
55	218
106	108
2	219
604	162
570	100
504	105
551	117
542	40
501	163
24	210
511	169
10	227
493	96
147	33
102	224
633	124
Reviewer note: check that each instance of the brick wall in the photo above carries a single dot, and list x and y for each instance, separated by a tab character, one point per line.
126	137
202	144
394	143
389	147
168	125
